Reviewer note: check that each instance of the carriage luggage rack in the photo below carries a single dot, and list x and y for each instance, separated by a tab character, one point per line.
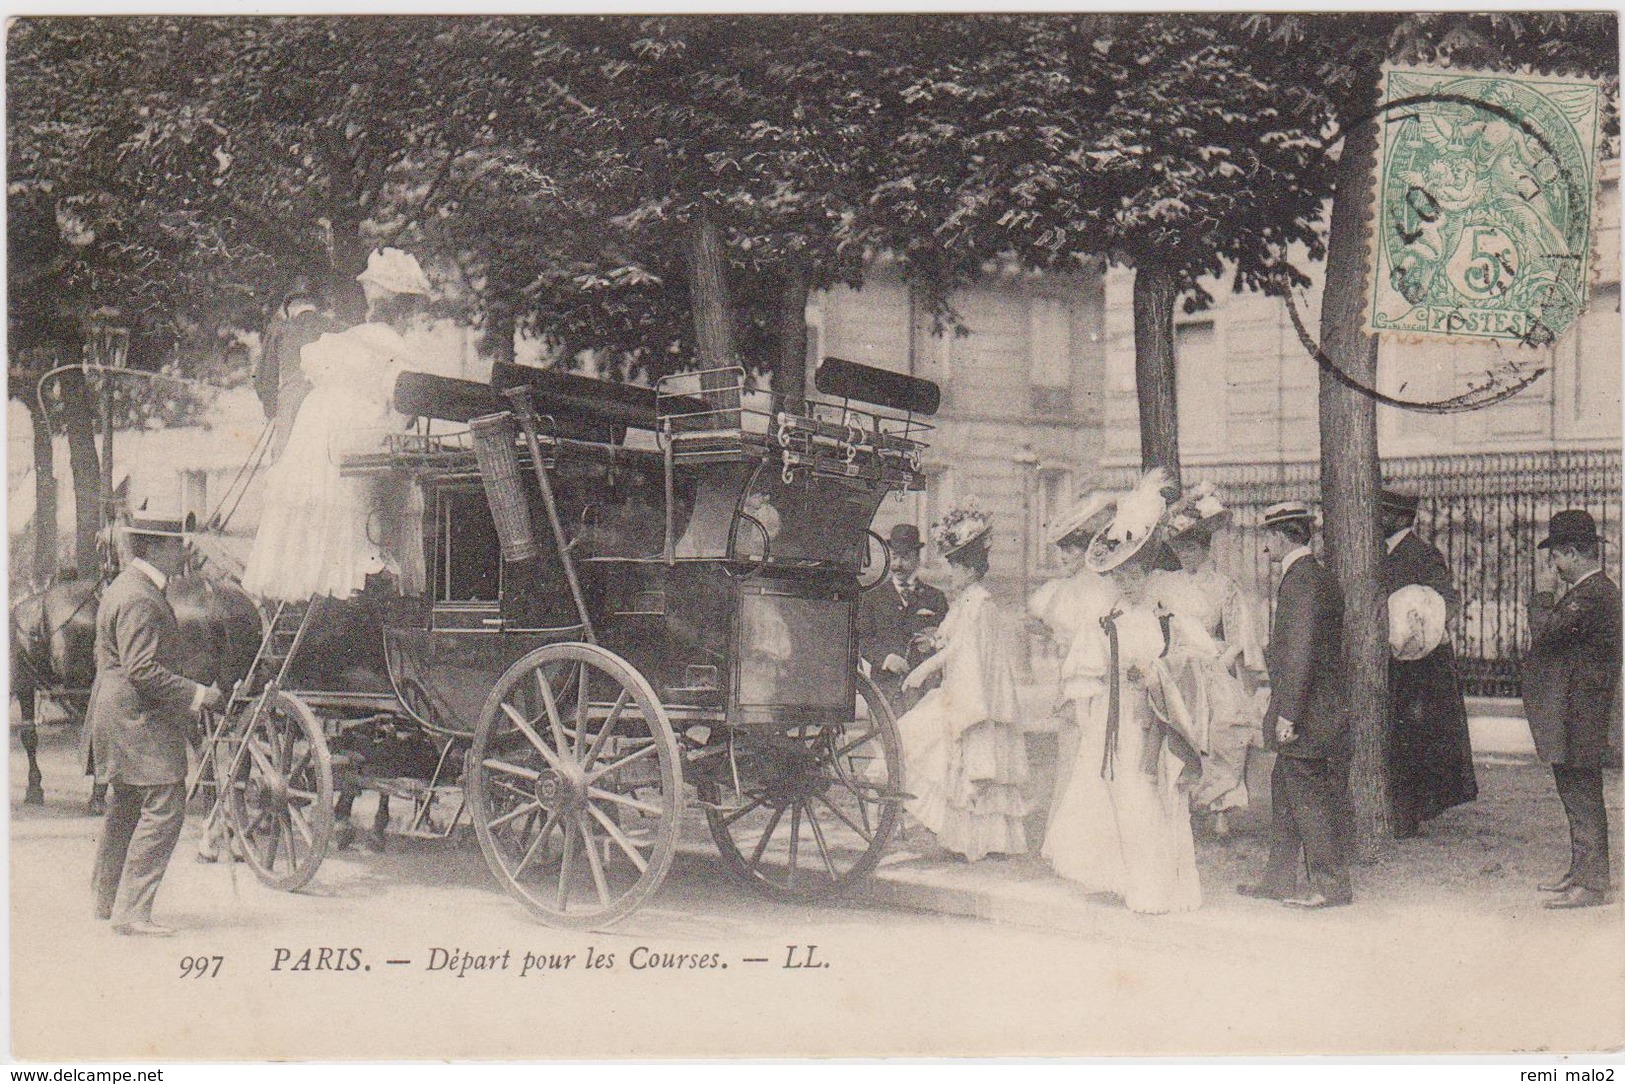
829	438
413	451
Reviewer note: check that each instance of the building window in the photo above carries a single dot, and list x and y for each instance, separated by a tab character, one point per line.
939	497
1597	376
1049	355
930	350
1053	498
1199	387
195	494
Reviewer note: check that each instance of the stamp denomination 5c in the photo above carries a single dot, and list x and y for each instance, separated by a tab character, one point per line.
1485	184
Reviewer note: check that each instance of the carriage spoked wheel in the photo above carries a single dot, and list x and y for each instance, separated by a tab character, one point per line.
817	804
575	785
280	799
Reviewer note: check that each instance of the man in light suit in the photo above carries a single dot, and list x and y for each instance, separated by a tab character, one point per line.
139	719
898	615
1570	679
1305	724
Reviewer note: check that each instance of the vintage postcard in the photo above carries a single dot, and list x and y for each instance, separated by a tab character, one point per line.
803	536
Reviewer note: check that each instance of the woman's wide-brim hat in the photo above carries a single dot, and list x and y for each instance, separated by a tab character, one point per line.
395	272
982	539
963	527
1199	511
1137	521
1078	524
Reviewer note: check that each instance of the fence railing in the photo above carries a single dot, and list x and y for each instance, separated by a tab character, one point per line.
1485	513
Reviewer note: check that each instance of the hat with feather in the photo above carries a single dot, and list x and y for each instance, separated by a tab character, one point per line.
1139	514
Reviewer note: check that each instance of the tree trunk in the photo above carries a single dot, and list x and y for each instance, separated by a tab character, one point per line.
713	317
1154	296
79	419
45	505
344	212
1350	478
790	367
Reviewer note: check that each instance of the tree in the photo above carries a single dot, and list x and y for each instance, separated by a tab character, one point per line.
1340	57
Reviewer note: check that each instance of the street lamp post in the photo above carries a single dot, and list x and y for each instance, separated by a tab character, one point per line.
1027	460
109	348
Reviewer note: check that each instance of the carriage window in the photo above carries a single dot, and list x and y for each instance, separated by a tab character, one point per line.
468	558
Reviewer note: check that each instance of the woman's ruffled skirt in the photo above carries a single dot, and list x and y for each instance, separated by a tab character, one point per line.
967	788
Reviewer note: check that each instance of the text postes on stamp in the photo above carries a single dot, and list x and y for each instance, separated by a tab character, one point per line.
1485	184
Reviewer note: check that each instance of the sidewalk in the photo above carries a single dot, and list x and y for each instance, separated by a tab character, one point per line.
1475	865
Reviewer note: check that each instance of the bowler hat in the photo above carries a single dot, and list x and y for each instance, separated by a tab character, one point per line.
1573	526
905	536
1394	501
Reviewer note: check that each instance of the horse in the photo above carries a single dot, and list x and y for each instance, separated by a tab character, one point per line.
53	638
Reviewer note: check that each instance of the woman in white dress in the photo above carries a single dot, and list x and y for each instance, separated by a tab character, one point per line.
1062	605
322	533
1208	596
1123	824
964	760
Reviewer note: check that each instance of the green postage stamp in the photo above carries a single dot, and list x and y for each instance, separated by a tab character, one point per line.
1485	185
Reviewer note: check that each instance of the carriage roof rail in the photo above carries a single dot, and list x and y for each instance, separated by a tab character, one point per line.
880	387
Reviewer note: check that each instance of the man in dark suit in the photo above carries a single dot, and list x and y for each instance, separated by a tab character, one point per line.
1569	682
1305	724
1430	755
897	617
139	719
278	379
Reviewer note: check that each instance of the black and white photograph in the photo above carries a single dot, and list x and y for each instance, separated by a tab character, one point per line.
798	535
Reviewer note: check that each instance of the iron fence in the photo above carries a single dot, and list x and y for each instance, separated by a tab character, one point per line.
1485	513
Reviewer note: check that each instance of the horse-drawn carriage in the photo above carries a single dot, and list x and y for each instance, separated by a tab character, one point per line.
641	609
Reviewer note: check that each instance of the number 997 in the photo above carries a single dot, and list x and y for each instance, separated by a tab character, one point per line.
201	967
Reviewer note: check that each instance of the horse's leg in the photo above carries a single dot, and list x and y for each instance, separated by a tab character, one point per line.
377	840
349	789
29	735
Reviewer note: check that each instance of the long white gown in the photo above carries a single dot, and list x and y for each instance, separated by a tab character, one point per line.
1215	601
964	760
322	533
1064	605
1123	823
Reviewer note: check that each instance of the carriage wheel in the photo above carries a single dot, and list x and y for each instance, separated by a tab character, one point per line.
817	807
281	801
575	785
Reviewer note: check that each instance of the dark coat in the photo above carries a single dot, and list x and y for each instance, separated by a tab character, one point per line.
278	379
1305	659
1571	675
140	711
890	619
1430	754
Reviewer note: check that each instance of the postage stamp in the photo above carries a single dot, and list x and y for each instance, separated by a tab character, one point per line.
1485	185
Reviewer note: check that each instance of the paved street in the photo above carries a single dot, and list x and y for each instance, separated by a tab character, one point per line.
898	982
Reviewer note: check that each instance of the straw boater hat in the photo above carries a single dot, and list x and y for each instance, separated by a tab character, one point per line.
964	526
1287	512
1198	510
395	272
1080	522
1138	517
159	522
